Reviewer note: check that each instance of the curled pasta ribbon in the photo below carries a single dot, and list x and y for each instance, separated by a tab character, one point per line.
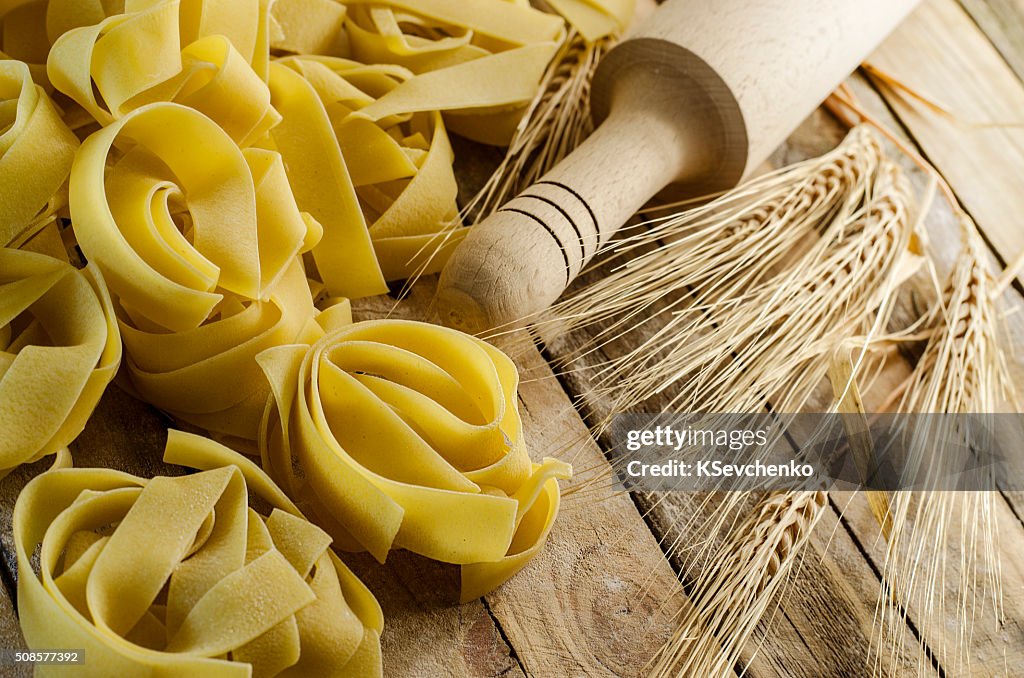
36	150
479	62
596	19
59	348
399	167
198	241
308	27
200	54
208	376
23	34
408	436
181	576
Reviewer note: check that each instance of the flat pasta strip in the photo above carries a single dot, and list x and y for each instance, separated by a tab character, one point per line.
59	348
408	436
596	19
172	576
200	250
36	150
485	59
399	168
308	27
344	258
169	51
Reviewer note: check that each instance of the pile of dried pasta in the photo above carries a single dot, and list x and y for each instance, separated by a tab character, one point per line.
192	191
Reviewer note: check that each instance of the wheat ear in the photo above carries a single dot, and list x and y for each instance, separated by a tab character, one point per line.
749	307
555	123
733	594
963	370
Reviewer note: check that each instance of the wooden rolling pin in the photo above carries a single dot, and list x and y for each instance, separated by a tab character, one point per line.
697	96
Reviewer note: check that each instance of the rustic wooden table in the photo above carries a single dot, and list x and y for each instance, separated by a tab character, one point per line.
600	599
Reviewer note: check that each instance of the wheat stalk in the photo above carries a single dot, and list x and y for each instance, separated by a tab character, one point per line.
754	291
963	370
732	595
736	306
555	123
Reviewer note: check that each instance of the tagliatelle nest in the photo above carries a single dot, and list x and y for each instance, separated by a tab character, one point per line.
182	575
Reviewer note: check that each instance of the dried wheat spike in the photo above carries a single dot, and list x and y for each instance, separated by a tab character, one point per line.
964	369
756	323
730	598
555	123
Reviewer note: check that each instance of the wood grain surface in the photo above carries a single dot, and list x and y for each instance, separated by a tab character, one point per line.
942	54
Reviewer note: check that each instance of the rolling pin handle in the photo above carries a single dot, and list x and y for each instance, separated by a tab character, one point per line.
520	259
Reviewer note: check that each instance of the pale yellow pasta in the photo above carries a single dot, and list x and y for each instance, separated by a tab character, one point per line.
596	19
160	52
23	34
308	27
209	177
485	58
208	375
400	167
323	187
408	436
59	348
180	576
199	243
36	150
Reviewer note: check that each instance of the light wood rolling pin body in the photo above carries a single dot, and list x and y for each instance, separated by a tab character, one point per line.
697	96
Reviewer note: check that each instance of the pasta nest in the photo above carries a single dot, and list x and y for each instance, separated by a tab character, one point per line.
398	434
182	576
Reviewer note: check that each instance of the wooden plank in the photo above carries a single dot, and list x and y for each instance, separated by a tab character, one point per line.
11	638
600	598
1003	22
425	633
941	53
993	641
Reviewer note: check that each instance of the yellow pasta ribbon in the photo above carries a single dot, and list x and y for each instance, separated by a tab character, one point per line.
180	576
480	62
399	168
36	150
408	436
23	34
308	27
596	19
59	348
344	258
198	241
199	54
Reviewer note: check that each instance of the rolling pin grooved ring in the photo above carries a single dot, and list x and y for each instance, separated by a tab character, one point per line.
568	218
561	247
593	217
